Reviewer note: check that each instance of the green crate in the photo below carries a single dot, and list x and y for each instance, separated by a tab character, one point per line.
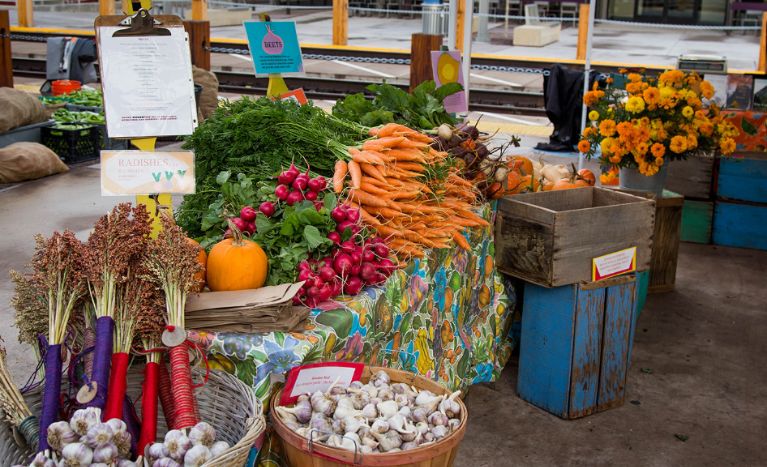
697	217
73	146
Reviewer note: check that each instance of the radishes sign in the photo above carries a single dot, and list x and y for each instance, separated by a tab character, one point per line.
274	47
138	172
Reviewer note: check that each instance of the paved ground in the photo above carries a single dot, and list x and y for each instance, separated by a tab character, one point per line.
625	44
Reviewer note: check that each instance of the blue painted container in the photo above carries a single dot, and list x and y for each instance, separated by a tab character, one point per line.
740	225
743	178
575	345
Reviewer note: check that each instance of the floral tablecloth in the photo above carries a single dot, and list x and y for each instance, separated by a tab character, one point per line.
445	317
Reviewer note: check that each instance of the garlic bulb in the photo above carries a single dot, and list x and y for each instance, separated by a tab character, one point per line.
379	426
60	434
345	408
116	425
422	427
438	419
356	385
165	462
320	425
405	411
122	440
409	445
360	400
204	434
387	408
388	441
83	419
352	424
197	455
439	431
427	400
385	394
99	464
337	426
126	463
302	411
218	448
369	412
449	406
106	453
454	423
76	455
381	377
98	434
155	451
369	441
420	414
40	460
321	403
177	444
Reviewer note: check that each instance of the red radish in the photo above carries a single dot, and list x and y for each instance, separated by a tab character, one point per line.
328	260
355	270
311	195
314	185
300	182
368	272
324	293
240	224
318	205
323	182
381	250
296	300
342	226
267	208
313	291
282	192
287	177
248	214
294	170
335	237
356	229
376	240
250	228
304	274
356	257
342	264
294	197
367	255
337	288
327	273
353	286
304	265
387	266
348	246
338	214
354	215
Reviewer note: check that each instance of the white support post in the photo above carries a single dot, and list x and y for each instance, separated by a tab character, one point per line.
452	18
587	72
467	27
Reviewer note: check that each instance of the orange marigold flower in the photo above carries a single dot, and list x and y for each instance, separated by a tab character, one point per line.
607	128
678	144
658	150
651	95
589	131
706	89
659	161
727	145
642	148
591	98
634	77
584	146
615	159
692	141
633	88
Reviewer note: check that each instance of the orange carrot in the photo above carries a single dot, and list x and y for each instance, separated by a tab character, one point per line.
412	166
369	218
371	170
387	142
406	155
414	136
406	143
368	199
338	176
356	173
461	241
374	131
388	231
372	189
385	212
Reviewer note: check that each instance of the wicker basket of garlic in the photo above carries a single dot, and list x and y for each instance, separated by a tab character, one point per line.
389	417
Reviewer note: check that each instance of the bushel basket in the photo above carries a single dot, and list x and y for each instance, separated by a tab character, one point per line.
225	402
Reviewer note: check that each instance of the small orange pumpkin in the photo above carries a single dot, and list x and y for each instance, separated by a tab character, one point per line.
236	264
563	184
588	176
202	258
521	164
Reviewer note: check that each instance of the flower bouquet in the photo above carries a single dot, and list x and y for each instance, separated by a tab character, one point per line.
653	120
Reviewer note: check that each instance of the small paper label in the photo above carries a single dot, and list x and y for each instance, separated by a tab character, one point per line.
297	95
307	379
141	173
173	338
614	264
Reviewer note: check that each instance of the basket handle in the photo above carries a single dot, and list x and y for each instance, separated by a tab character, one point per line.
357	451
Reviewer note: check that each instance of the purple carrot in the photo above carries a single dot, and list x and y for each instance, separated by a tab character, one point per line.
102	357
51	393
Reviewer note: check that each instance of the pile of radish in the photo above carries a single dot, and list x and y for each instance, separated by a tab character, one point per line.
353	263
295	187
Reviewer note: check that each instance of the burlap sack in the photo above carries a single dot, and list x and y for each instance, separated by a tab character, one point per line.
209	98
28	161
20	108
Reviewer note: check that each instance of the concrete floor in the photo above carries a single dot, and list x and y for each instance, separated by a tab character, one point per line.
698	359
698	370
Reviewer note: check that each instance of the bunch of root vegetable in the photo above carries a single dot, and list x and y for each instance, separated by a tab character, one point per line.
409	193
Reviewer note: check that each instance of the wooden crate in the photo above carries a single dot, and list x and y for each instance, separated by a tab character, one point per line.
693	178
740	225
743	178
575	346
550	238
697	221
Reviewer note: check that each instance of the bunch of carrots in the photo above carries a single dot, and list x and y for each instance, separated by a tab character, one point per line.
407	192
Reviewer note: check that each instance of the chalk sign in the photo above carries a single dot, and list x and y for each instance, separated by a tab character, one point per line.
141	172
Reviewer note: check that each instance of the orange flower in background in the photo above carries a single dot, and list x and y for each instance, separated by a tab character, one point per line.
607	128
659	161
615	159
609	80
589	131
633	88
592	97
584	146
634	77
642	149
727	145
658	150
692	142
678	144
706	89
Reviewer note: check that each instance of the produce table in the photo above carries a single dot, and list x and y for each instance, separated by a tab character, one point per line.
446	317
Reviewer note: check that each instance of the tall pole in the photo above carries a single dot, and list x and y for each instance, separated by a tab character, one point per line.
452	18
468	12
484	11
587	69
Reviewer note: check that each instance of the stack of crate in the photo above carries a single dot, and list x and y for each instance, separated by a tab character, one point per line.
695	179
576	334
740	209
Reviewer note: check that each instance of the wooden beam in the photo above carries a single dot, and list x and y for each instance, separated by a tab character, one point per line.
583	31
460	17
199	42
763	46
6	65
106	7
199	10
24	10
420	57
340	22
